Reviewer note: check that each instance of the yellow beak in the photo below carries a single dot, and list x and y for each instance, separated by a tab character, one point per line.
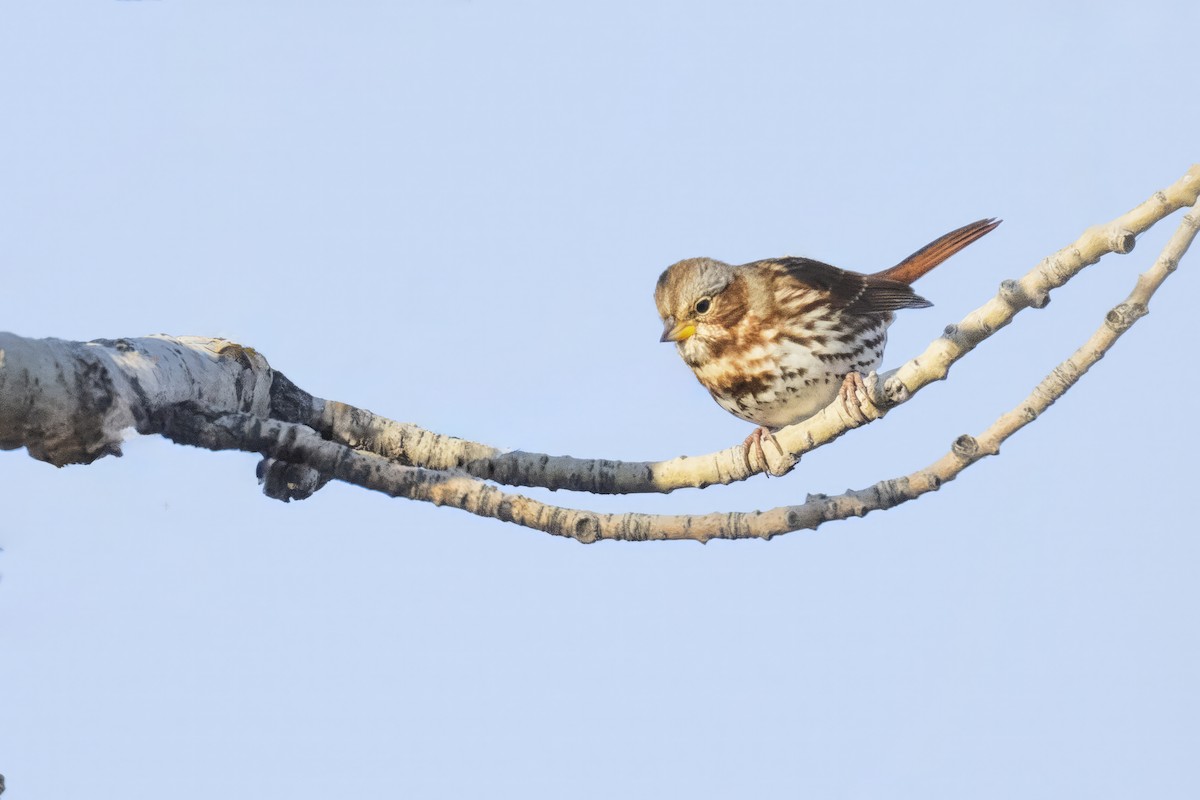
677	333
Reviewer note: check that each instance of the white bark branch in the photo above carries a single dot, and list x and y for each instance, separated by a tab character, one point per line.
298	443
410	444
69	402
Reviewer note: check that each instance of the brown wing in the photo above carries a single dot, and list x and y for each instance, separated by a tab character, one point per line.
852	291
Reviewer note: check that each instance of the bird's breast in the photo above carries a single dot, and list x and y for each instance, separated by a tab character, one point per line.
775	373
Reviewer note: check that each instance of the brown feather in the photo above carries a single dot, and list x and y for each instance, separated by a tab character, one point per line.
851	291
937	251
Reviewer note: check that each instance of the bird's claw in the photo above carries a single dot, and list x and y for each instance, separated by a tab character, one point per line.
855	398
782	464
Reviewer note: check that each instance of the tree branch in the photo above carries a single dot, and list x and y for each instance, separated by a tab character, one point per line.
412	445
298	443
69	402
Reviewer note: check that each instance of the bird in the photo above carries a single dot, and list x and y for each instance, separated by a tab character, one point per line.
775	341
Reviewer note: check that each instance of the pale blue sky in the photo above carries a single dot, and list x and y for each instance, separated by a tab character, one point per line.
454	213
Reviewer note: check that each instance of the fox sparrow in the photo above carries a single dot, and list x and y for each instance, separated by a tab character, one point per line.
773	341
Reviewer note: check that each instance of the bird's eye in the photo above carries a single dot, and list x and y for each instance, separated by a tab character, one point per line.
703	305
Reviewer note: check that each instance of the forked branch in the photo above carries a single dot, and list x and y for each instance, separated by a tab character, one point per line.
300	444
69	402
415	446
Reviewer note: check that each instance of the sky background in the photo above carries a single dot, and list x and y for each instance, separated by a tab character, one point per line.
453	213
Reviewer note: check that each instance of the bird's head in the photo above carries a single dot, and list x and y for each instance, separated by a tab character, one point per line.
695	301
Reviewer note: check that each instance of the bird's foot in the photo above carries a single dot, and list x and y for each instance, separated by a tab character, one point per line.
778	465
855	397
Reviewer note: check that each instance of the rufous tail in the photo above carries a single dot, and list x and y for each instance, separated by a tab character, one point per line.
938	251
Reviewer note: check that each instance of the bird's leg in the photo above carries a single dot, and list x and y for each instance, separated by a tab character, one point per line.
755	441
853	394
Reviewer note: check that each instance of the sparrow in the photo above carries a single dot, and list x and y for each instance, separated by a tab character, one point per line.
774	341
